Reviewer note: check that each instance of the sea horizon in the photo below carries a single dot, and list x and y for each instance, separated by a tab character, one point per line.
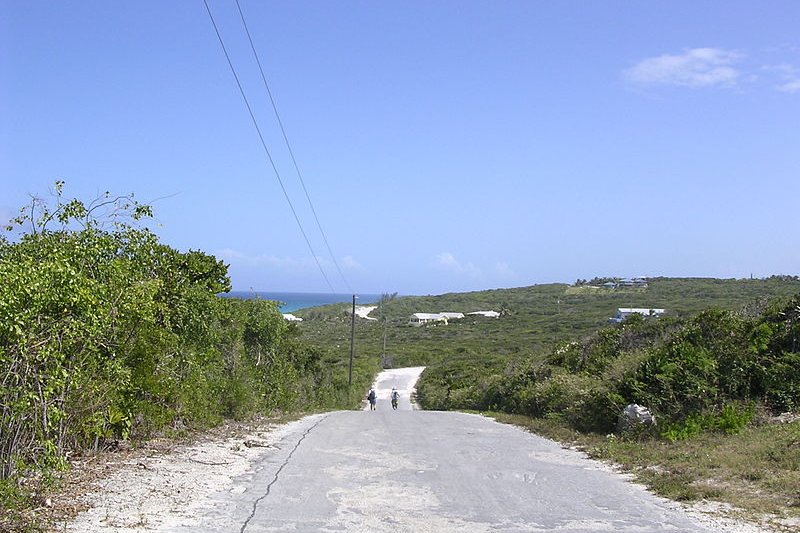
294	301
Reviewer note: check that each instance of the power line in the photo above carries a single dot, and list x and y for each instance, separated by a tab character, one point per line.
289	146
264	145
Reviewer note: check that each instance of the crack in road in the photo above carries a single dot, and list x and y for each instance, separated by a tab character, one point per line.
278	473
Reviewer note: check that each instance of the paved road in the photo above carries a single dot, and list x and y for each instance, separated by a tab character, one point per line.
420	471
403	379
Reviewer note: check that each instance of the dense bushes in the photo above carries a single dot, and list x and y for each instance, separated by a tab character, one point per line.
705	372
105	333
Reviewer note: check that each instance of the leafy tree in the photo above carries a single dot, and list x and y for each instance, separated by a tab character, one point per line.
106	333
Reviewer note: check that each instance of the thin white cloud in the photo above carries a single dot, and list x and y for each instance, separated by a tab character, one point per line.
789	76
695	68
350	263
263	260
790	87
288	273
448	261
503	270
284	264
5	216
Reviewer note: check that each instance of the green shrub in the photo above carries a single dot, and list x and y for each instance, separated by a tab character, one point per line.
687	428
105	333
779	381
734	417
731	419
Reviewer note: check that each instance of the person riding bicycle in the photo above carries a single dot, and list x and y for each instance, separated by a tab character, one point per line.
395	396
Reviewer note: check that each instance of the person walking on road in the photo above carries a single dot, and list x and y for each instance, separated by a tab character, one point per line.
395	397
373	398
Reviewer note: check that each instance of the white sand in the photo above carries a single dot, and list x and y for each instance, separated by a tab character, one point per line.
363	311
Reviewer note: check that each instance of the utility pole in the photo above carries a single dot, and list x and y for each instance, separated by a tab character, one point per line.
558	319
352	342
383	358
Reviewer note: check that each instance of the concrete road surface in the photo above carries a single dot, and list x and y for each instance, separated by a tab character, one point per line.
420	471
403	379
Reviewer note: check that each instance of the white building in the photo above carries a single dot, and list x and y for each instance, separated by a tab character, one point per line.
418	319
291	318
452	316
625	312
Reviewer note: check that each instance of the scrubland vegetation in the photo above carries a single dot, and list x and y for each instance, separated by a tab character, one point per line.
715	371
704	372
106	334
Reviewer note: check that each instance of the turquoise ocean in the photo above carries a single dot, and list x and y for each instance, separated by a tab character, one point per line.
292	301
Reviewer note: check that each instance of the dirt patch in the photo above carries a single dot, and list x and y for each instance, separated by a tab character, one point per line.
728	519
158	485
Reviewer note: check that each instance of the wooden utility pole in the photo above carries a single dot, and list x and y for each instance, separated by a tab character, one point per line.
352	342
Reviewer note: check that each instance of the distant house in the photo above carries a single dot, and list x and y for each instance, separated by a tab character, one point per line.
636	283
452	316
291	318
633	282
488	314
625	312
418	319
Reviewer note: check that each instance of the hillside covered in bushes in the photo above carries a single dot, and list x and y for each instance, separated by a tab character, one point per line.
723	349
707	371
723	346
108	334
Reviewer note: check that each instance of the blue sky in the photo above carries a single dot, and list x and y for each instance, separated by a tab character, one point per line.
446	146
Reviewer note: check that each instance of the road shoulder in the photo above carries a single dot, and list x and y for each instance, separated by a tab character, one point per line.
161	485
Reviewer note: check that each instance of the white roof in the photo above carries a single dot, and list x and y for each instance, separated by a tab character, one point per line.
429	316
452	315
291	318
490	314
640	310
